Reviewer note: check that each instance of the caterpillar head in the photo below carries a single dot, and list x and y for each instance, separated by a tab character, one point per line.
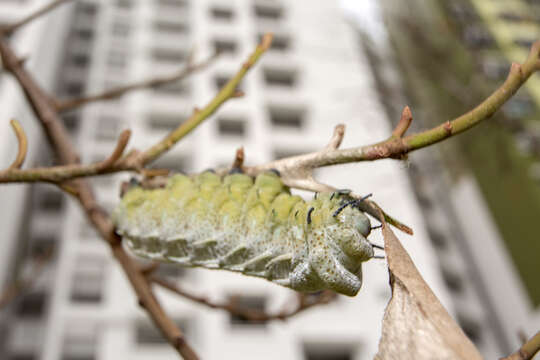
337	245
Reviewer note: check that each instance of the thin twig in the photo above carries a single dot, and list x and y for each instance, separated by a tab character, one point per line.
528	350
249	314
199	115
238	162
337	137
123	140
56	174
23	145
157	82
41	104
404	123
8	29
295	168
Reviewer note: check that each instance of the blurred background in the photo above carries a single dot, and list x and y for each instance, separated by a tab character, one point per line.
473	201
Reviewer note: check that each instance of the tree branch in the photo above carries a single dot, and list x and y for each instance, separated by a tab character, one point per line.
157	82
528	350
135	161
7	30
396	146
304	303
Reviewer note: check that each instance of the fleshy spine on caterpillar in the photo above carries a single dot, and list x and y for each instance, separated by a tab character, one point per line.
252	226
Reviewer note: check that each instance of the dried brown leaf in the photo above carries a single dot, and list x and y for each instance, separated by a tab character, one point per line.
416	325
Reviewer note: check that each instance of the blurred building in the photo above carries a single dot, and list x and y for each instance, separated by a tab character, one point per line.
484	222
314	76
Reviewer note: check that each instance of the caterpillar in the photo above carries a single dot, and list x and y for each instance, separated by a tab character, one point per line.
249	225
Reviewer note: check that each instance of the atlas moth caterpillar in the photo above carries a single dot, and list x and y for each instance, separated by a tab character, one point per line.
252	226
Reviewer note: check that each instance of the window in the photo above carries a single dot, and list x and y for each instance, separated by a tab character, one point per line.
229	126
225	46
289	117
221	80
74	89
50	200
124	4
165	121
71	121
257	303
279	42
328	352
79	343
87	280
169	55
32	305
84	34
86	8
148	334
80	60
164	26
268	12
279	77
222	14
172	162
170	271
174	88
452	280
173	3
437	237
42	244
22	357
470	327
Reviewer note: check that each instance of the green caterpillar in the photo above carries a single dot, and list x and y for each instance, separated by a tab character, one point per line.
252	226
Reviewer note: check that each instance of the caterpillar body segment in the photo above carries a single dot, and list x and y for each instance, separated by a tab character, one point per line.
252	226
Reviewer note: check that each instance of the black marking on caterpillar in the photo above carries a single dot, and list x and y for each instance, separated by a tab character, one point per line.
309	215
252	226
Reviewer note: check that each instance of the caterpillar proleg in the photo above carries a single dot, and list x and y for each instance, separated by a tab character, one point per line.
252	226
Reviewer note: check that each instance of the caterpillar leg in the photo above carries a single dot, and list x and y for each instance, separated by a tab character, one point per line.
258	264
334	275
279	267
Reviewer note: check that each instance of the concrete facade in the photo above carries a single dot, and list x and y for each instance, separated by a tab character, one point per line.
314	78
